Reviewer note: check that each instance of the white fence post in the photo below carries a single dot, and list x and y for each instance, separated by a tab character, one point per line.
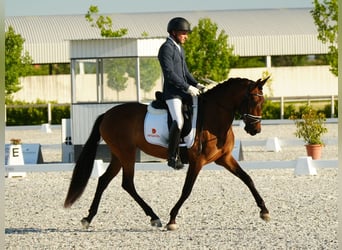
332	107
49	113
282	107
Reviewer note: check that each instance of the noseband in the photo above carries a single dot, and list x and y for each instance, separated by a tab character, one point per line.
253	118
248	117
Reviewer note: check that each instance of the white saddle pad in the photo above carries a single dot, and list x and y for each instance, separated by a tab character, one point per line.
156	129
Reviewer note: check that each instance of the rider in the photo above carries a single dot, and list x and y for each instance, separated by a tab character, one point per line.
179	84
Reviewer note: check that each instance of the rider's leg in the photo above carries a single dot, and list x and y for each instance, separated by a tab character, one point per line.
175	108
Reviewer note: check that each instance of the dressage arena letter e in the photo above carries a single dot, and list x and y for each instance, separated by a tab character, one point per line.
15	152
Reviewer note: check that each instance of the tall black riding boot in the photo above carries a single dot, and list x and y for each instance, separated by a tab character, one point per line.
174	137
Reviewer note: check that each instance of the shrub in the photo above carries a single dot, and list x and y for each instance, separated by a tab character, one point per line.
21	113
289	110
270	110
327	110
310	125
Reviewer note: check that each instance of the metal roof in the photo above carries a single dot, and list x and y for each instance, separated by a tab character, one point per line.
251	32
111	47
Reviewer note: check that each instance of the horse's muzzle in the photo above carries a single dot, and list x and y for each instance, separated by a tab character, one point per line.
252	130
252	124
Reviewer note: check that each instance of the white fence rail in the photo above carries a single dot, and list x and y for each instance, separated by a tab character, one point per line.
283	99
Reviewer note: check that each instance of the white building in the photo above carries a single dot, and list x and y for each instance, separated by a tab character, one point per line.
271	32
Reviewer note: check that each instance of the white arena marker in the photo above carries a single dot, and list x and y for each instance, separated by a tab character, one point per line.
98	169
272	144
46	128
304	166
15	157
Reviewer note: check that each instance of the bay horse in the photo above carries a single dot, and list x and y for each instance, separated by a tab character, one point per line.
122	128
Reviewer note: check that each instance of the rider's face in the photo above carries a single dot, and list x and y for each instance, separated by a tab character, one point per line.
181	36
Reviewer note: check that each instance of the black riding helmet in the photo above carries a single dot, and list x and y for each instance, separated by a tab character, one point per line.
178	24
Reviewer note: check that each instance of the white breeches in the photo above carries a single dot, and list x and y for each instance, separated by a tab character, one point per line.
175	107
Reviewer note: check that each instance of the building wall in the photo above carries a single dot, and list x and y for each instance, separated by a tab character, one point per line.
286	81
294	81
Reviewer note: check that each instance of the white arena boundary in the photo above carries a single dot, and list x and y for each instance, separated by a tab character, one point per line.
99	165
57	167
283	142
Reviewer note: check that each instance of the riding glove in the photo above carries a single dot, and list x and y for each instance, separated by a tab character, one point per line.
193	91
201	87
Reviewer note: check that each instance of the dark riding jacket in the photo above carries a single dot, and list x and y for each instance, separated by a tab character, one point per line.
177	77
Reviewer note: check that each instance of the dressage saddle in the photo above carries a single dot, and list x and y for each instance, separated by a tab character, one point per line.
159	103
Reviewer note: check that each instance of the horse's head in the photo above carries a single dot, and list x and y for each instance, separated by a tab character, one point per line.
251	107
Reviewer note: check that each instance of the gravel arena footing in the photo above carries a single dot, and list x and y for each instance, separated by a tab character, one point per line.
219	214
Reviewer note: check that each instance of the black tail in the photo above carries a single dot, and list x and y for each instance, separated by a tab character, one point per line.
84	165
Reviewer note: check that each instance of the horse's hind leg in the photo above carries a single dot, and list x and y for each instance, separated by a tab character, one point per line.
112	170
128	185
233	166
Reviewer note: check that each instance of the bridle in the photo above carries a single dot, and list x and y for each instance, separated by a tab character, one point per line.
253	119
246	117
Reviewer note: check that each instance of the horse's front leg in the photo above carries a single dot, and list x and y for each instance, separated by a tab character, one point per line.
187	188
128	185
233	166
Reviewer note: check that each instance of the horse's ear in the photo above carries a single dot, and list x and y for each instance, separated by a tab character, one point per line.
261	82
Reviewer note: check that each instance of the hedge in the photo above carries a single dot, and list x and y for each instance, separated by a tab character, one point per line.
35	114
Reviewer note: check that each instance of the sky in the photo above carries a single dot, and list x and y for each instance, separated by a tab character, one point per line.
72	7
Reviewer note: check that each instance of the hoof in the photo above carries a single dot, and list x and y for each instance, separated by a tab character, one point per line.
171	227
265	216
156	223
85	223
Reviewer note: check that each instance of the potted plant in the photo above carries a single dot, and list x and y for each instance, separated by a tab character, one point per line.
311	126
15	141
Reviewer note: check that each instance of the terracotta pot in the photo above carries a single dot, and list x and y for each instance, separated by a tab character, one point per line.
314	150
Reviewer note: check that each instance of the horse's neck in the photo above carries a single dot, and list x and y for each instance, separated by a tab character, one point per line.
216	118
220	106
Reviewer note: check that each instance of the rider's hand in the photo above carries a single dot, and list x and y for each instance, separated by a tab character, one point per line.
193	91
201	87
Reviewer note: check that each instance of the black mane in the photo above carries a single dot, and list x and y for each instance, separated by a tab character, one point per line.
227	84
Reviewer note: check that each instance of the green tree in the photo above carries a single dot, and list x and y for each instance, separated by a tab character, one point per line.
116	69
50	69
325	15
299	60
250	62
104	23
149	72
17	63
208	53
